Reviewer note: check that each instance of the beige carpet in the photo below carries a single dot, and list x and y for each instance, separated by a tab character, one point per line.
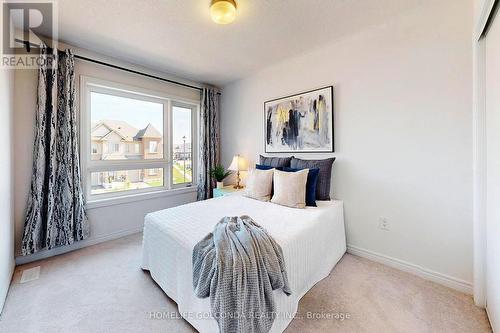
102	289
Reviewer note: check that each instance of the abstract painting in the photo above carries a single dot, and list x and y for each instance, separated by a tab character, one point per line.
300	123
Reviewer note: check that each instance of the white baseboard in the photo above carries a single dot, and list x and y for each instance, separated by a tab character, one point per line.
445	280
20	260
489	320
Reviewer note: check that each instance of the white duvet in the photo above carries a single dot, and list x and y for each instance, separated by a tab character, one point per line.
312	240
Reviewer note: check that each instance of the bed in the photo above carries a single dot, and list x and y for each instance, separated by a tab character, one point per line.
312	240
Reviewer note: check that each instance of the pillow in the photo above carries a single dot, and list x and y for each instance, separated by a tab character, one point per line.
290	188
259	184
275	161
267	167
325	174
312	182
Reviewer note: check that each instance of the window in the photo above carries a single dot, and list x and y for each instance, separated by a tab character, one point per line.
181	154
153	147
113	148
145	140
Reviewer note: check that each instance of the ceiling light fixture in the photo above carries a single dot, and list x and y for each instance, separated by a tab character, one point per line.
223	11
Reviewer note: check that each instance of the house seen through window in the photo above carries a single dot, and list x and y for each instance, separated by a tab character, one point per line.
128	145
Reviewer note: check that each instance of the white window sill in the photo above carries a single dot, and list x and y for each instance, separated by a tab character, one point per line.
124	199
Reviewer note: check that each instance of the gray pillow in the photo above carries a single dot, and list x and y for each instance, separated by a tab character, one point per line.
275	162
325	174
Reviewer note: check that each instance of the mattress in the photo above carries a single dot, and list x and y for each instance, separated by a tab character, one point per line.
312	240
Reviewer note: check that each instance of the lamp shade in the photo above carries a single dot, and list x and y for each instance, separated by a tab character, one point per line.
238	164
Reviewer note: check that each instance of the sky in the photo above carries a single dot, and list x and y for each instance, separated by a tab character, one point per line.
139	114
181	118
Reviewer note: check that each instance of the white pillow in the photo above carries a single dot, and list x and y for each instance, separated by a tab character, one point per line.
259	184
290	188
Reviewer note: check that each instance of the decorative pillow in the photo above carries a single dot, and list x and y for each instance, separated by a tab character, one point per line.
325	174
312	181
275	161
267	167
290	188
259	184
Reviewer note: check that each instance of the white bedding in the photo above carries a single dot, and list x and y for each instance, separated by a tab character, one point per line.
312	239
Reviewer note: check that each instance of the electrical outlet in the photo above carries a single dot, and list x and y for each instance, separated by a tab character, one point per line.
383	224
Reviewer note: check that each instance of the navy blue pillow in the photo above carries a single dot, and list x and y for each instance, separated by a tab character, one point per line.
312	181
267	167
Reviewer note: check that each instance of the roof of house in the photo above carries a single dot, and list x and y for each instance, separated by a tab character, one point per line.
148	132
123	129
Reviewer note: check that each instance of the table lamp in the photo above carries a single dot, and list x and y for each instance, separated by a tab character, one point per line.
238	164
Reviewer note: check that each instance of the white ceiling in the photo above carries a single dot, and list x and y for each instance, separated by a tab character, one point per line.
178	37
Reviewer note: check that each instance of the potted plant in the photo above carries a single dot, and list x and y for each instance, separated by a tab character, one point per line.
219	173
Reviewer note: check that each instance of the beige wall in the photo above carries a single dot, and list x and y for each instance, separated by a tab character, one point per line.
403	133
6	190
105	222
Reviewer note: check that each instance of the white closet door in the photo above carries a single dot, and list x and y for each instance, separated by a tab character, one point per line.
493	172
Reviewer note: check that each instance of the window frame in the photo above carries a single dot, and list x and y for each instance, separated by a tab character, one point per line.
194	151
89	85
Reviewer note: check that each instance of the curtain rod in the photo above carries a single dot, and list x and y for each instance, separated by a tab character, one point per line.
28	46
135	72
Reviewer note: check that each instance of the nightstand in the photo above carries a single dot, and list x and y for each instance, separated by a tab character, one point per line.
226	190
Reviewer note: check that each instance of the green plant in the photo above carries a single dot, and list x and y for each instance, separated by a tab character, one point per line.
219	173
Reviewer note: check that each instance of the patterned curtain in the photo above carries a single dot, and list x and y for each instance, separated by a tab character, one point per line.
55	214
209	141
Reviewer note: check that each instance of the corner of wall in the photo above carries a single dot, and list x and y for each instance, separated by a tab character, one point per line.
7	262
4	290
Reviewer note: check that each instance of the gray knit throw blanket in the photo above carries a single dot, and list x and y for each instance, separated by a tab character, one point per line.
239	265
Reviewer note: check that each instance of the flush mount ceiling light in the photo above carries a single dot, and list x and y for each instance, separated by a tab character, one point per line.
223	11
